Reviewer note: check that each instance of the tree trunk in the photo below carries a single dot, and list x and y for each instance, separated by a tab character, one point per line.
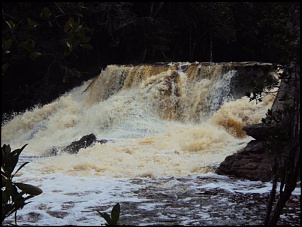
271	200
284	197
290	159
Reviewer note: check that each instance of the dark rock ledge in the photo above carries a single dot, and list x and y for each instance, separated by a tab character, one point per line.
252	162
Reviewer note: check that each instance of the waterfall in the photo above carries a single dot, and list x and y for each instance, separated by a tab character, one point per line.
163	119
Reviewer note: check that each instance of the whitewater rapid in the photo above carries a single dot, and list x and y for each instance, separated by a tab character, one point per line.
166	120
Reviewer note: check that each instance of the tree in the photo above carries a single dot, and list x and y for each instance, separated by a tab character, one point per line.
41	44
200	26
283	119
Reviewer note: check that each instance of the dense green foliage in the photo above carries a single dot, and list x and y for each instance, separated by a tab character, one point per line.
14	194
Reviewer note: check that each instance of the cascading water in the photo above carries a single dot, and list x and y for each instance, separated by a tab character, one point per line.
162	120
168	127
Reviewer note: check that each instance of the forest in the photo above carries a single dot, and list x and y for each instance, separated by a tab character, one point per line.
51	47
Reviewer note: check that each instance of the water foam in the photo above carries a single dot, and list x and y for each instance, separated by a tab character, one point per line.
164	120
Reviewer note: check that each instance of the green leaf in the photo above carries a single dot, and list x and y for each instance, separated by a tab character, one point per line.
69	45
69	24
6	44
10	159
45	13
105	216
77	29
11	25
66	52
115	213
20	168
3	179
84	39
5	196
11	164
29	189
29	45
87	46
18	151
34	55
6	151
4	68
32	23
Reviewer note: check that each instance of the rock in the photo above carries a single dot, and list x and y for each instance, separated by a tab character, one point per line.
252	163
52	152
258	131
102	141
84	142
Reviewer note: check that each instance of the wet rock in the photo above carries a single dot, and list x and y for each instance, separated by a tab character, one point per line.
84	142
252	163
258	131
52	151
102	141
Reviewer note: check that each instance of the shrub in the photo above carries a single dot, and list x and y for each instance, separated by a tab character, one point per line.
14	194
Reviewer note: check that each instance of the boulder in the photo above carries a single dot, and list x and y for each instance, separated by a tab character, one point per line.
251	162
84	142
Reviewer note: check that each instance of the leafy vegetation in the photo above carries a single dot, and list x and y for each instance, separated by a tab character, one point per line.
14	194
114	217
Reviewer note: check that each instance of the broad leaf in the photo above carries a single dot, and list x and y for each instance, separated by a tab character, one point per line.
32	23
6	44
18	151
20	168
105	216
115	213
5	196
4	68
29	189
33	55
69	24
5	151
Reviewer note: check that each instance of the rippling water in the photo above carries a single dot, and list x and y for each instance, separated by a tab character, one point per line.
201	200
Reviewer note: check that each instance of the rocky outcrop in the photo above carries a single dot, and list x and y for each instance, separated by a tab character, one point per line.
74	147
252	163
84	142
258	131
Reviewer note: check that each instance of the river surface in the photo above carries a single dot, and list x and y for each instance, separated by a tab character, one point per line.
199	200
